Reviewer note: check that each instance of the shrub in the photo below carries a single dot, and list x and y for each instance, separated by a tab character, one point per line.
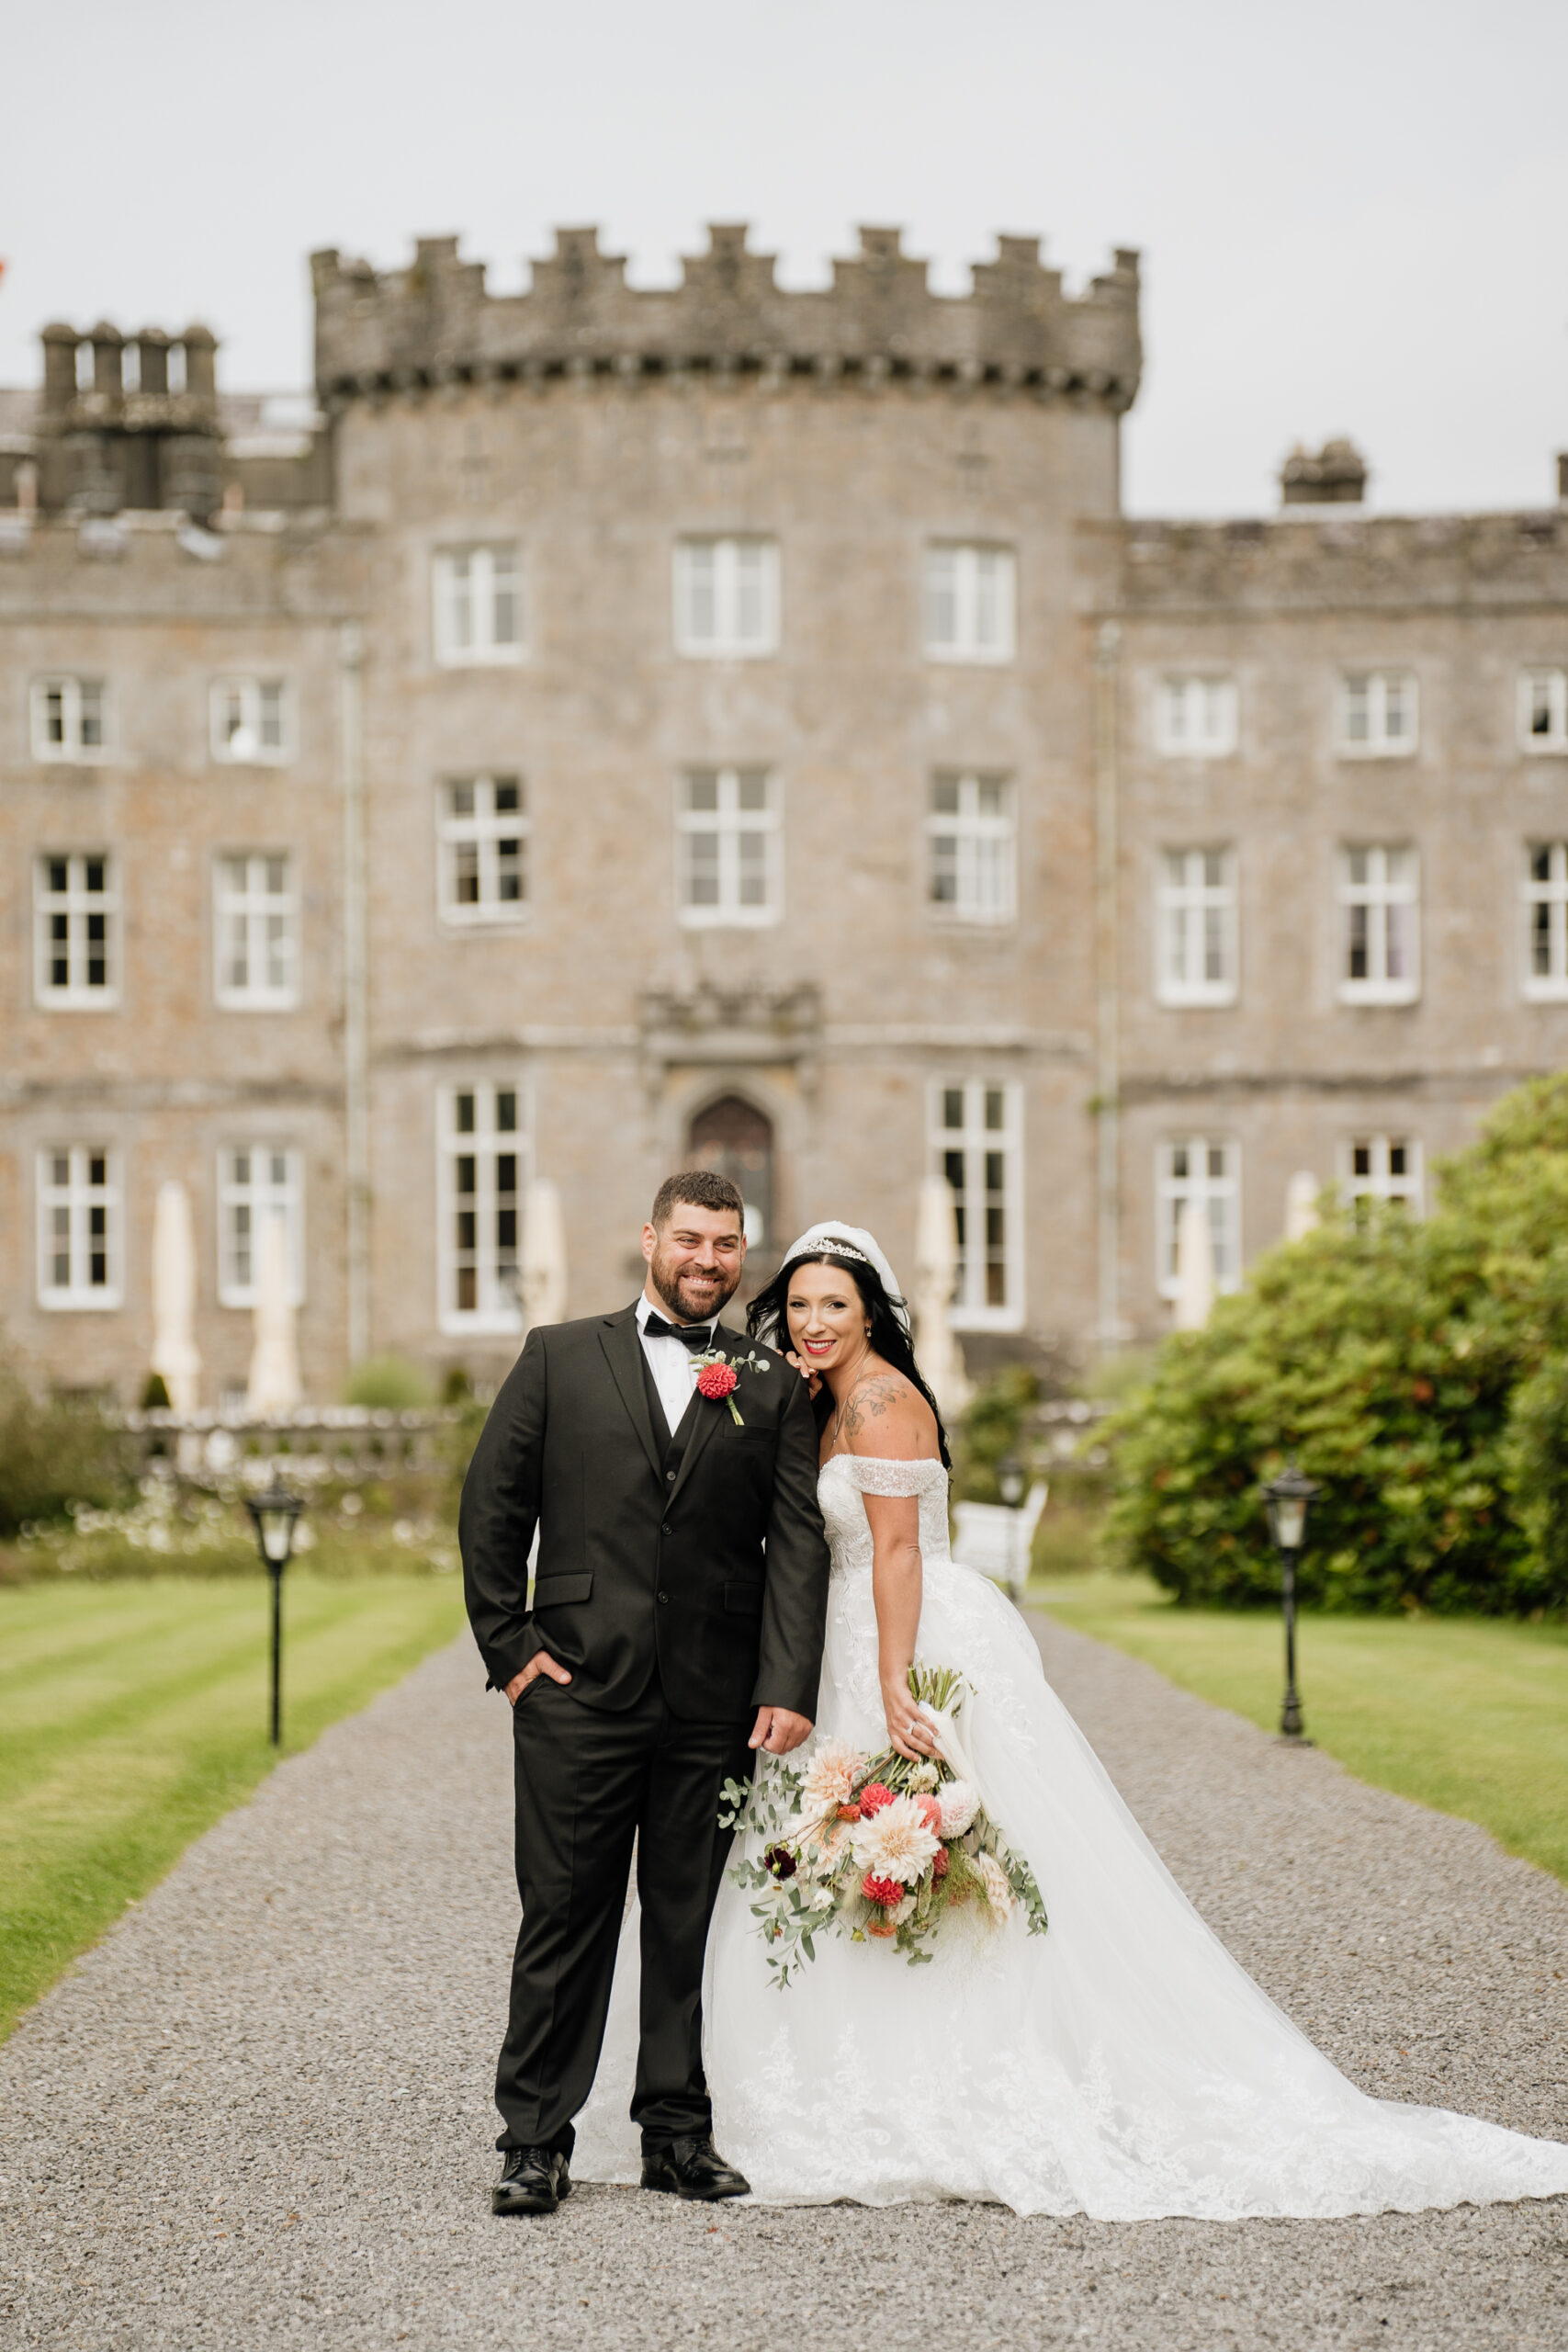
993	1427
387	1383
55	1454
1418	1371
457	1442
1536	1460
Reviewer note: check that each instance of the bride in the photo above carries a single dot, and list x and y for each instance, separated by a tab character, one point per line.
1122	2065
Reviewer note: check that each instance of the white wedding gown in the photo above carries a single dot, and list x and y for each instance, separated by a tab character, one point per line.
1122	2065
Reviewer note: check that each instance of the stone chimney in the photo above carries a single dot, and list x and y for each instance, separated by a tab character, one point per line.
104	447
1335	476
108	346
59	367
152	349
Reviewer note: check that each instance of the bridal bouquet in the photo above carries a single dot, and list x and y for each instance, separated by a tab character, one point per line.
875	1848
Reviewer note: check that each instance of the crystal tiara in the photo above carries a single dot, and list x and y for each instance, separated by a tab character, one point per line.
830	1245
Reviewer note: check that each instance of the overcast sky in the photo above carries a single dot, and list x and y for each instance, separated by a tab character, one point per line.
1353	215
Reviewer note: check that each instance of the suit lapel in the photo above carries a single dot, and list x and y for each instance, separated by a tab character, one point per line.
704	1412
622	1344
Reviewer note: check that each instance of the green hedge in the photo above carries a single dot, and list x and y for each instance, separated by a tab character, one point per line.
1418	1371
55	1454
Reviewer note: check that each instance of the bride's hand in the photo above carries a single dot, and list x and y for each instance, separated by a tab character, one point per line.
908	1731
813	1379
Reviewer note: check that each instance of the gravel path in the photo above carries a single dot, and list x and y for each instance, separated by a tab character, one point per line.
259	2112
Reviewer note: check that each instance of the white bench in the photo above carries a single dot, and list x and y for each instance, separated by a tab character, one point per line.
997	1540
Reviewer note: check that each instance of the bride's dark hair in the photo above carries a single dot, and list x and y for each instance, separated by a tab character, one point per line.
767	1319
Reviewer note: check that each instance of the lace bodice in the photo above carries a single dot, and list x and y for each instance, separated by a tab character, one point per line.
847	1479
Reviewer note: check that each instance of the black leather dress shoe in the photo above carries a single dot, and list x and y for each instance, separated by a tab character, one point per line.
693	2168
532	2180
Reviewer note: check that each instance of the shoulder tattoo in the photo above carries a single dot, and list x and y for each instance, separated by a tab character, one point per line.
873	1397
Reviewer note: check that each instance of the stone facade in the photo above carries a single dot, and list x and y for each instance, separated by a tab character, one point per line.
1295	1072
719	722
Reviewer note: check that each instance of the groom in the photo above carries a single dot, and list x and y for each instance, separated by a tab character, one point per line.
677	1624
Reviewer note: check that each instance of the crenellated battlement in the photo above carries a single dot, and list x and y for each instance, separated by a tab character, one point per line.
433	323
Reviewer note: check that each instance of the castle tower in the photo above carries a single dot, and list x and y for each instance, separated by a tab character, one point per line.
726	648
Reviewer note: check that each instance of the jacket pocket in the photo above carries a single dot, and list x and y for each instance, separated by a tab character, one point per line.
743	1600
551	1592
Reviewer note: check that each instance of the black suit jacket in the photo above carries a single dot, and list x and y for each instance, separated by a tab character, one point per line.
707	1559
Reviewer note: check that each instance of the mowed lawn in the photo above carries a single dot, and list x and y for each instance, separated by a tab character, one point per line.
1467	1714
133	1715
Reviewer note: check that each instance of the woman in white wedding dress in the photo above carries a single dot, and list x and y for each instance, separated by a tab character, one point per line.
1122	2065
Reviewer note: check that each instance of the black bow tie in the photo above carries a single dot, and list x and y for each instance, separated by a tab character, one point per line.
691	1335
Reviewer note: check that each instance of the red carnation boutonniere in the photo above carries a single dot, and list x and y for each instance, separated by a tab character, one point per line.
718	1378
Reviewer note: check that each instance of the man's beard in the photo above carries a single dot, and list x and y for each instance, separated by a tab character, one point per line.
701	1307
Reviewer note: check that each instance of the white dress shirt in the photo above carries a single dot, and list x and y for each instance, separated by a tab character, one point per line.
670	1360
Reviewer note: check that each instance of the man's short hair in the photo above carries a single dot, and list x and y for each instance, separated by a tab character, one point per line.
699	1188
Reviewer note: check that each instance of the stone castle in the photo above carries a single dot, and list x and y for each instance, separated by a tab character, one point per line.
600	729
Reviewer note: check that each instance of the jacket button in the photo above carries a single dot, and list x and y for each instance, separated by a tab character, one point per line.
664	1596
670	1477
667	1529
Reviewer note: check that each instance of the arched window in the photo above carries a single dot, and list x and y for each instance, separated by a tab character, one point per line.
735	1139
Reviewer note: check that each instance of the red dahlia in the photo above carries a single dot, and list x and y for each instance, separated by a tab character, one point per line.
717	1379
886	1890
874	1797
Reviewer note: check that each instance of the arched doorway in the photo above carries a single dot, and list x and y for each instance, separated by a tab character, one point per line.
735	1139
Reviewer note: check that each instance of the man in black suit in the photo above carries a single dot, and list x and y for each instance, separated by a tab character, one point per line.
678	1614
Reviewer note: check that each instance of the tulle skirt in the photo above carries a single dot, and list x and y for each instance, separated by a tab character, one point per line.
1122	2066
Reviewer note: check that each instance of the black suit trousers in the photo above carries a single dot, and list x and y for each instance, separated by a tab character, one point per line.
588	1782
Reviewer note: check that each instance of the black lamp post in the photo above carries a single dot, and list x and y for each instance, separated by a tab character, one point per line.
1289	1497
273	1514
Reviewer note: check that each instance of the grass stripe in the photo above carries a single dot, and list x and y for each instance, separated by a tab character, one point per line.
133	1715
1469	1716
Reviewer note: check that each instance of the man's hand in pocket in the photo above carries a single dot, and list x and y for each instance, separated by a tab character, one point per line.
540	1663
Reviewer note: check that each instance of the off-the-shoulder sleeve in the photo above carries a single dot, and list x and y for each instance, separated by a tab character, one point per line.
874	1475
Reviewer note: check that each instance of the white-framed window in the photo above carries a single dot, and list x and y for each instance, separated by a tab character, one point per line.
1200	1175
1546	918
726	598
1379	714
255	929
971	603
76	922
78	1225
1543	711
972	833
976	1141
1195	716
1380	899
1196	927
479	604
257	1181
70	719
1382	1168
483	826
730	844
250	721
483	1170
